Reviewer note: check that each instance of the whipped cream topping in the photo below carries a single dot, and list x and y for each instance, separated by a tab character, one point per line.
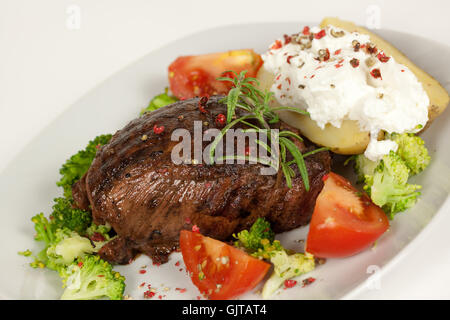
337	75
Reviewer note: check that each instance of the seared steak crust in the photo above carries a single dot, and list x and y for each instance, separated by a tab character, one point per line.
135	187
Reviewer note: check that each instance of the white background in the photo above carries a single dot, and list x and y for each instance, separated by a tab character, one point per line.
45	66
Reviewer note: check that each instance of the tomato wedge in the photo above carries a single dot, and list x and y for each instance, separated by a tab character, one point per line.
191	76
218	270
345	221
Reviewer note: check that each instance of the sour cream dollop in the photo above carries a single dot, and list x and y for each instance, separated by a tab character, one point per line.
336	75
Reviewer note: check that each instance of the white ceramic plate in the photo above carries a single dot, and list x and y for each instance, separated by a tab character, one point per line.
27	185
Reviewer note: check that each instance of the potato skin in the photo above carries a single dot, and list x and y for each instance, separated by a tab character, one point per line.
348	139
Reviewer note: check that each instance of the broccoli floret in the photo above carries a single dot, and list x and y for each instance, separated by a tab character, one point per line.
45	229
259	241
66	250
99	232
286	267
251	239
46	232
268	249
412	151
386	179
388	187
62	245
68	246
159	101
363	166
92	278
25	253
65	216
62	235
99	235
78	164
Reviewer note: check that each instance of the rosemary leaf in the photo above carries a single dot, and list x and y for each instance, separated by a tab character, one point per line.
285	168
298	157
246	95
222	133
297	110
290	134
232	100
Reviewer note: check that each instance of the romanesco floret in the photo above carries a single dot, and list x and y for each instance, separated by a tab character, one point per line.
412	151
65	216
388	187
92	278
159	101
251	239
79	163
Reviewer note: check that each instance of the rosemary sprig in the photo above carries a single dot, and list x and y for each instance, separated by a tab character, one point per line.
246	96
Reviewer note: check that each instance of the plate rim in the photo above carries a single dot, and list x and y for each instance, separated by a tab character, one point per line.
354	292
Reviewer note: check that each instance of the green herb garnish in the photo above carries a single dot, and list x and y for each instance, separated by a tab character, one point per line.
246	96
79	163
159	101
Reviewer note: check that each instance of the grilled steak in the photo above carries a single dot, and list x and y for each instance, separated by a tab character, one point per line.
135	187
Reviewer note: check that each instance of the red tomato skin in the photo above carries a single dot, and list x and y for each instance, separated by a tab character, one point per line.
195	76
191	83
239	278
335	232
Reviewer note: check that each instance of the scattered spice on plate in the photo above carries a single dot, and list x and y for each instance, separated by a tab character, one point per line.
289	283
308	281
149	294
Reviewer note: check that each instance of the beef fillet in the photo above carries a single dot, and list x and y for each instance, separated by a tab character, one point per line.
147	199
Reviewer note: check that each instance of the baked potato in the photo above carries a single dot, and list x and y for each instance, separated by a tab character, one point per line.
438	96
348	139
